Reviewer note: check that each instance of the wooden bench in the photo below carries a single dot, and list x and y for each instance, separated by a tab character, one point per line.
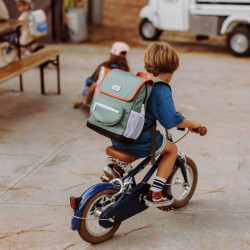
40	59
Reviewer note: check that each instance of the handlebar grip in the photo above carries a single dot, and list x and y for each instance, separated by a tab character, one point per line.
181	129
201	131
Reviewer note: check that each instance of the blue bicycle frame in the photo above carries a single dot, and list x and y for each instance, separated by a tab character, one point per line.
131	178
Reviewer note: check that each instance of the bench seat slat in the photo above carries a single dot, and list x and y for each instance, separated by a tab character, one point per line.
35	59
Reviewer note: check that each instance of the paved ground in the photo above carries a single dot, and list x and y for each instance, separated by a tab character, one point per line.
47	154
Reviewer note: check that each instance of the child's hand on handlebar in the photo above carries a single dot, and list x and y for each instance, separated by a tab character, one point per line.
195	126
198	128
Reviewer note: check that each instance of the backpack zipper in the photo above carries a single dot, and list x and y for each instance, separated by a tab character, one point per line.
105	107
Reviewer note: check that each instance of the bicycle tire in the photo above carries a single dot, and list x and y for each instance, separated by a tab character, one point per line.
184	199
12	55
84	230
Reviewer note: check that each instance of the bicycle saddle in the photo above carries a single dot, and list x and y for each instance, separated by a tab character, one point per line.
120	154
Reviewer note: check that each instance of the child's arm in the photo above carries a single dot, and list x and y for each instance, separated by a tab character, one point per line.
191	125
24	16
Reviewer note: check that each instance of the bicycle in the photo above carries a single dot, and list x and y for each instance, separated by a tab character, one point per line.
99	211
9	49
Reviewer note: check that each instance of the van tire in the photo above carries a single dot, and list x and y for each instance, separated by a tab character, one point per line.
238	41
148	31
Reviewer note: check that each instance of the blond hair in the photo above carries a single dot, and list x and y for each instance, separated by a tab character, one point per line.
160	57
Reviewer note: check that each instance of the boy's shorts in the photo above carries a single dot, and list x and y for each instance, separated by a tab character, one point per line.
160	149
141	148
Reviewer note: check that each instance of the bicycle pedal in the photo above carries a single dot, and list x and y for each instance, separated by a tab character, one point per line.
166	208
104	178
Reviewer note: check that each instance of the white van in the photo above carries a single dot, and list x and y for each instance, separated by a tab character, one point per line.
202	18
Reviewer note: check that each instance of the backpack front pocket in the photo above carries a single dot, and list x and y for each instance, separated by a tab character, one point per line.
106	112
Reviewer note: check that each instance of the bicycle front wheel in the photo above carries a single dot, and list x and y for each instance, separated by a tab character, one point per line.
181	192
90	230
8	52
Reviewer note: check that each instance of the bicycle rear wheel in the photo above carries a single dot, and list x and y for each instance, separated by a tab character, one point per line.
183	193
89	229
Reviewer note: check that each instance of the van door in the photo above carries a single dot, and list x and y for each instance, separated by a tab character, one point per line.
173	14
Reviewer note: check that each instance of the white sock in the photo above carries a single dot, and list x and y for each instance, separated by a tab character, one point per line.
158	184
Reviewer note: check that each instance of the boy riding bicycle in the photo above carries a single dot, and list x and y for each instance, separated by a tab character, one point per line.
161	61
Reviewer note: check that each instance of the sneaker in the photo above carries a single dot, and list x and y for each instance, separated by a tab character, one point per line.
113	171
76	104
26	53
156	199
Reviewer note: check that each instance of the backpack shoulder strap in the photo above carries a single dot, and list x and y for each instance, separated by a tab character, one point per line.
158	81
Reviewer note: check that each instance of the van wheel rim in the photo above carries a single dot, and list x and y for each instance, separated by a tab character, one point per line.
149	30
239	43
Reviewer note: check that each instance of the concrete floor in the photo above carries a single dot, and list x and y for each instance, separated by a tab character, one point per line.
47	154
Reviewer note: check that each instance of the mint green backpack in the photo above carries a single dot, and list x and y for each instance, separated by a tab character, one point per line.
118	111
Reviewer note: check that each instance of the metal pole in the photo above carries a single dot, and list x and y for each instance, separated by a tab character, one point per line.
58	75
53	15
19	55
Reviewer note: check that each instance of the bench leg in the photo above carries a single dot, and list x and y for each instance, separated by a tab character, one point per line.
56	63
42	79
21	82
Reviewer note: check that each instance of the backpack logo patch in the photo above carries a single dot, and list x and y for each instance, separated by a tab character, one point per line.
116	88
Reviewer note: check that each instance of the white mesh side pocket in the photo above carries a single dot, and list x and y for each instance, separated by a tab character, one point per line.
135	124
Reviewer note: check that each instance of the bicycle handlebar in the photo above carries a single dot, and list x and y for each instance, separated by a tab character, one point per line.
201	131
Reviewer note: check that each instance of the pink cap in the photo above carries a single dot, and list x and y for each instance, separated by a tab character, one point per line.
119	47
